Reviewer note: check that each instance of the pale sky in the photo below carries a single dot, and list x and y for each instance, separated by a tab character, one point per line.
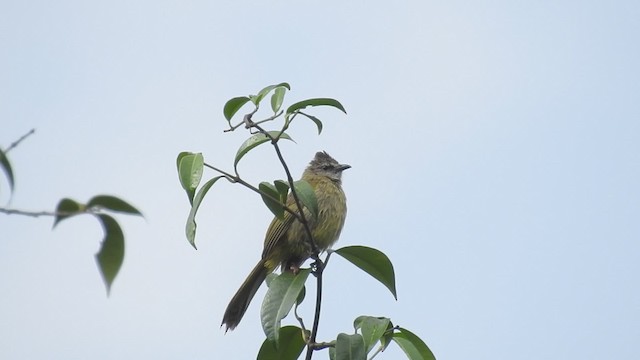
495	148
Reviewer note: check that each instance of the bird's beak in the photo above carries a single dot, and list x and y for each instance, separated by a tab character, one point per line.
343	167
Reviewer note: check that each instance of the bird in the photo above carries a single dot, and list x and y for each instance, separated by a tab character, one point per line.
286	242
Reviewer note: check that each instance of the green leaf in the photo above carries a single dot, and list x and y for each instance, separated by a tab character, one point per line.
190	173
373	328
282	294
111	254
289	347
256	140
232	106
413	346
277	98
264	92
270	192
373	262
190	229
67	208
301	296
316	121
113	203
283	190
307	196
179	158
270	278
350	347
6	167
387	337
315	102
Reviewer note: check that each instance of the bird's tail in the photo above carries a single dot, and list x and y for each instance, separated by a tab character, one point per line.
241	300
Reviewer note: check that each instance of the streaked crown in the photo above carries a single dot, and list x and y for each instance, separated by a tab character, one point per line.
324	165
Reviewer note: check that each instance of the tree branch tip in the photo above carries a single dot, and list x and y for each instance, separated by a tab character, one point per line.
17	142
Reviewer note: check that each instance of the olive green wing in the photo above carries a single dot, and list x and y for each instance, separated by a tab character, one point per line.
276	232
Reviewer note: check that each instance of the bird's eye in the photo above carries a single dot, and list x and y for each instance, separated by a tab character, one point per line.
326	167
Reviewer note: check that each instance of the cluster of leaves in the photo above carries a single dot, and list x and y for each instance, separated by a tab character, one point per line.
369	331
191	165
287	291
111	254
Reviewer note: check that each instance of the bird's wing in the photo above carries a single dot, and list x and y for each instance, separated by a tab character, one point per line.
276	232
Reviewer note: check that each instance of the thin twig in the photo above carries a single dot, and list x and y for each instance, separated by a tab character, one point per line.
316	317
27	213
270	118
17	142
43	213
274	140
248	117
237	179
323	345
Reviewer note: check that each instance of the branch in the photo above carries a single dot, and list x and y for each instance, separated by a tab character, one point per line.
302	218
17	142
316	317
319	265
248	123
244	120
42	213
238	179
323	345
304	221
270	118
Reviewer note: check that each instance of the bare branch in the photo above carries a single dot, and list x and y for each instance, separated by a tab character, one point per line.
17	142
44	213
271	118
